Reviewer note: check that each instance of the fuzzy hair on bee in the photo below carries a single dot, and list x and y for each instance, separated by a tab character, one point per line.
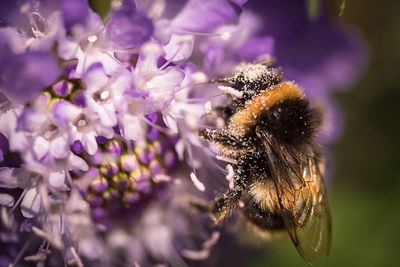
269	138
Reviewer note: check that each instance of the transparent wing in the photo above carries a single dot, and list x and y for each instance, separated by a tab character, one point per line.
300	188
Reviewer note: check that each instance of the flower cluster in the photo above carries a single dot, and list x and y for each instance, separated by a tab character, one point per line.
99	119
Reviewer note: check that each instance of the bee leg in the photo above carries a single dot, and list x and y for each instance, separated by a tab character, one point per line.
223	137
223	206
198	205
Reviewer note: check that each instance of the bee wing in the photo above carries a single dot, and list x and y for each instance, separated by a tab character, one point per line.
301	196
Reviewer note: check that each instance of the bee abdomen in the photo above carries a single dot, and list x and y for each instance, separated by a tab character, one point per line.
264	219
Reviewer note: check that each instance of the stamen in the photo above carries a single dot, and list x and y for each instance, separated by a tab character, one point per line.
158	127
39	256
225	36
82	123
37	29
161	178
226	159
230	90
157	9
197	33
44	194
207	107
199	185
212	241
104	95
5	218
22	252
92	38
205	251
199	77
54	240
230	175
18	201
149	85
77	259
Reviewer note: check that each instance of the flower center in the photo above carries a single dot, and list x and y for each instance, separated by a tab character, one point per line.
124	177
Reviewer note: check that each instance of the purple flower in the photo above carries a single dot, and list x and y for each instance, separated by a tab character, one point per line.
128	27
99	121
23	76
74	12
206	15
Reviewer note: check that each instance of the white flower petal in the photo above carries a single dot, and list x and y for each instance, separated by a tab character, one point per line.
6	200
19	142
30	205
180	149
179	48
8	123
89	142
131	128
7	180
168	78
40	147
77	163
64	112
57	180
32	120
95	77
59	148
171	123
148	58
106	114
121	84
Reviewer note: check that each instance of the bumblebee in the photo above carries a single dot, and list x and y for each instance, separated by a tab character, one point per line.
269	138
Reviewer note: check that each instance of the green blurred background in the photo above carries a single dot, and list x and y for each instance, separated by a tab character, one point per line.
364	192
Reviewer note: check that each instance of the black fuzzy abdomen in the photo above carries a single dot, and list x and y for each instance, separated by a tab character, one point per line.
264	219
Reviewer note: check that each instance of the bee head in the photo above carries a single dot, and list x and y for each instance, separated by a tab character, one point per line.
249	79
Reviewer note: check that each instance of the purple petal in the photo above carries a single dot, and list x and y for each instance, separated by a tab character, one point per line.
328	54
59	148
127	27
205	15
6	200
4	146
23	76
64	112
14	13
74	12
255	47
77	147
162	31
315	49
